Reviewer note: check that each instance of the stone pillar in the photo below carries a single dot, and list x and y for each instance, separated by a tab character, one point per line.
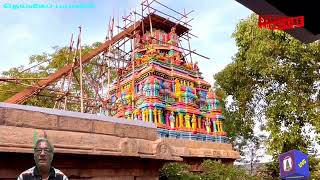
155	114
135	116
160	116
199	122
147	115
163	117
167	119
143	115
203	123
177	121
219	126
172	121
150	115
215	126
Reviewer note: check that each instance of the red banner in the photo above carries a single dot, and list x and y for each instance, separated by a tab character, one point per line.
280	22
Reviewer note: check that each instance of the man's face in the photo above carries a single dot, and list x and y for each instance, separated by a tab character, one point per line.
43	155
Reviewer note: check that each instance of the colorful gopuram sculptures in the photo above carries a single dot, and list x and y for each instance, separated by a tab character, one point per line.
163	89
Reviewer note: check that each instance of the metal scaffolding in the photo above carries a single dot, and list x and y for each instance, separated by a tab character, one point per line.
84	84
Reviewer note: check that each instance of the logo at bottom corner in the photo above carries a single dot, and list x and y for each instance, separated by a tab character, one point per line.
287	164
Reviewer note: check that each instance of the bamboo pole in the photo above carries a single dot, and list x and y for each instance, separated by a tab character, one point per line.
81	71
133	45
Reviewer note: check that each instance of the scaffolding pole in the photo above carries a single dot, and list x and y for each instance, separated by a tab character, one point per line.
81	71
184	10
133	45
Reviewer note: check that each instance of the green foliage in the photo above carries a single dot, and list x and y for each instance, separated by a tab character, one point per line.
177	171
46	64
315	173
217	170
8	89
211	170
273	79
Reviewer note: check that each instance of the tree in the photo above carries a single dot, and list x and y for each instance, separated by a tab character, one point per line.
210	170
50	63
275	80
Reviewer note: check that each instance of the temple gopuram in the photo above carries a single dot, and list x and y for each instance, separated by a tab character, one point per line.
162	88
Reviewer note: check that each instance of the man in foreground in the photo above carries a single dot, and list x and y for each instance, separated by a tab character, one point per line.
43	155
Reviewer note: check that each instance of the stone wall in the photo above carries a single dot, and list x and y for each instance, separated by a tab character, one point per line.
95	147
84	166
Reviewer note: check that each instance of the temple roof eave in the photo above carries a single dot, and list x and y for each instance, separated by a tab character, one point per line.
160	69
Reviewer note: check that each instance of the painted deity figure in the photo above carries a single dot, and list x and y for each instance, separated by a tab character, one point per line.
171	52
141	89
138	58
194	122
151	51
139	115
173	38
216	103
189	66
195	66
208	124
166	87
135	118
146	38
138	39
177	86
156	87
146	88
170	56
172	120
187	120
177	59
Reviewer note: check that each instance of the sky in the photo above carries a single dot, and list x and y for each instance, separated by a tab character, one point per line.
29	31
